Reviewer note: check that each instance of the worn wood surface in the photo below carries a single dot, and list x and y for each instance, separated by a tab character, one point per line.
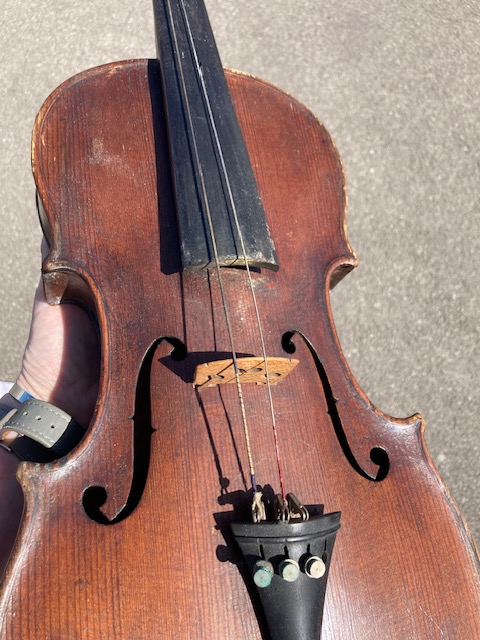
251	369
404	565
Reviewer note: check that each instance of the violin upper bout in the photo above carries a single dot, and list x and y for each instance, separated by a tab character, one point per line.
299	173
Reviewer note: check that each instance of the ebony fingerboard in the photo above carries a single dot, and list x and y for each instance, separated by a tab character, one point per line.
220	215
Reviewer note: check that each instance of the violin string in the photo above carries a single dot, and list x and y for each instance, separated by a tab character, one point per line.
206	203
242	243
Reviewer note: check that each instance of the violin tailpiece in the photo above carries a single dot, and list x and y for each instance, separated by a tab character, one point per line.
289	564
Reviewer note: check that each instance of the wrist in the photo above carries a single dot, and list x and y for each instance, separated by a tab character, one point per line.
31	386
50	391
34	429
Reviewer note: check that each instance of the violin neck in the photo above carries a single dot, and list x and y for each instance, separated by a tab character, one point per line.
220	216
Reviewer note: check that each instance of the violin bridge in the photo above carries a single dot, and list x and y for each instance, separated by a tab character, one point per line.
251	369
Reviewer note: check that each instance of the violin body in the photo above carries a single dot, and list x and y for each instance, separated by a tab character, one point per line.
128	537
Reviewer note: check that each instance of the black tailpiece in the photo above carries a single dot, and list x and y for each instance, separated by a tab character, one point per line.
289	565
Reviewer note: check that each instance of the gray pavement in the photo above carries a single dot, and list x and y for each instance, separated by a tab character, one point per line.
397	84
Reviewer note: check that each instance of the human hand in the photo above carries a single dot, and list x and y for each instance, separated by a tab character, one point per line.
60	365
61	361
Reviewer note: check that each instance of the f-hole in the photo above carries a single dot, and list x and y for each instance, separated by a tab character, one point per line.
95	497
378	455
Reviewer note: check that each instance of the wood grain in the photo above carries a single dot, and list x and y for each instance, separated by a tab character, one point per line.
404	565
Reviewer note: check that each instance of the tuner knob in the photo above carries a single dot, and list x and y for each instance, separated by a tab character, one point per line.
315	567
263	573
289	569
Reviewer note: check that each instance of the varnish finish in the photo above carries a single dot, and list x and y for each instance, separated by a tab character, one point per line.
404	565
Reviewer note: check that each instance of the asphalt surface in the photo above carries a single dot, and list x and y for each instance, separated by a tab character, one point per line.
397	84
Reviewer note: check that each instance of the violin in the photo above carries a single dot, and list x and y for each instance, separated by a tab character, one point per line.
235	481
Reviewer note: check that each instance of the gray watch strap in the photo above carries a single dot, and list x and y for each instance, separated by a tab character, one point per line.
45	431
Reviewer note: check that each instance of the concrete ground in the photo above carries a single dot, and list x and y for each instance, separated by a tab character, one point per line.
397	84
